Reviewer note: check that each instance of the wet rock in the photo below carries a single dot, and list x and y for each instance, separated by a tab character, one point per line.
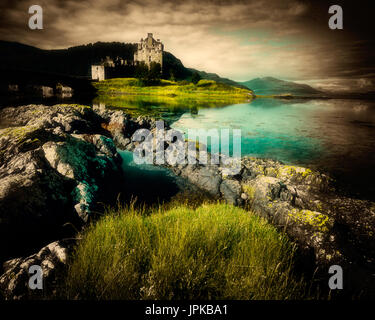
85	163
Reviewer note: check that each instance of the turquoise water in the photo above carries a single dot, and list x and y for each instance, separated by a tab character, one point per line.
268	129
335	136
146	183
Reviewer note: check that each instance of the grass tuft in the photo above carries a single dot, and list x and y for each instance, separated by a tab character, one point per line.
214	251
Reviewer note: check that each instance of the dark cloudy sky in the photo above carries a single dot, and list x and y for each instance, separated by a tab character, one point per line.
288	39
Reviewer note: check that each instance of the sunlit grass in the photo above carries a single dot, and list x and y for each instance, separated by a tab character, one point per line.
215	251
169	88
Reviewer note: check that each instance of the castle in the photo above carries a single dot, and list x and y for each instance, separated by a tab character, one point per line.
148	50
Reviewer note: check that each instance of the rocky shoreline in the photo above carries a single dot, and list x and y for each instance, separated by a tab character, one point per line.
59	163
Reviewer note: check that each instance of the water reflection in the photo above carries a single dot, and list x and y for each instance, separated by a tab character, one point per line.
168	108
336	136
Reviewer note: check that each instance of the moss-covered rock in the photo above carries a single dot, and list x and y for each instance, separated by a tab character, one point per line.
50	176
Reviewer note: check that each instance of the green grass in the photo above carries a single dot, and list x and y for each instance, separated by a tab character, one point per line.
167	100
204	88
215	251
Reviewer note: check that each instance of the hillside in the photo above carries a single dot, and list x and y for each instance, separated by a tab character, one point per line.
273	86
77	61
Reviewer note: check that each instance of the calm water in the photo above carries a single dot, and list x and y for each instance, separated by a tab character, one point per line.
147	183
336	136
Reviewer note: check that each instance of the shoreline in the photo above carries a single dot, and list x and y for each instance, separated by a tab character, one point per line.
54	142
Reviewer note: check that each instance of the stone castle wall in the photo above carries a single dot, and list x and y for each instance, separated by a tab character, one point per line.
97	72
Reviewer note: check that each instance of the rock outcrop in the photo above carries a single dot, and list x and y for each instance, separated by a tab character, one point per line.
14	283
55	167
57	164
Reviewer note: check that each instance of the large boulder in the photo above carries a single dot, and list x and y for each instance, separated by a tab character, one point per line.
50	176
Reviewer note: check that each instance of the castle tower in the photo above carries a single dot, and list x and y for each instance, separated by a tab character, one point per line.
149	50
97	72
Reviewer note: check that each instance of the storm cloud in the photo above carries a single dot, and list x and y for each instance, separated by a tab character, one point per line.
236	39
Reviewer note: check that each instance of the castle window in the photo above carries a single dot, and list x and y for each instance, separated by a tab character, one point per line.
149	58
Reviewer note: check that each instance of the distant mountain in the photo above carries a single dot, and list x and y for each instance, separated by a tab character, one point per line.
76	61
217	78
273	86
